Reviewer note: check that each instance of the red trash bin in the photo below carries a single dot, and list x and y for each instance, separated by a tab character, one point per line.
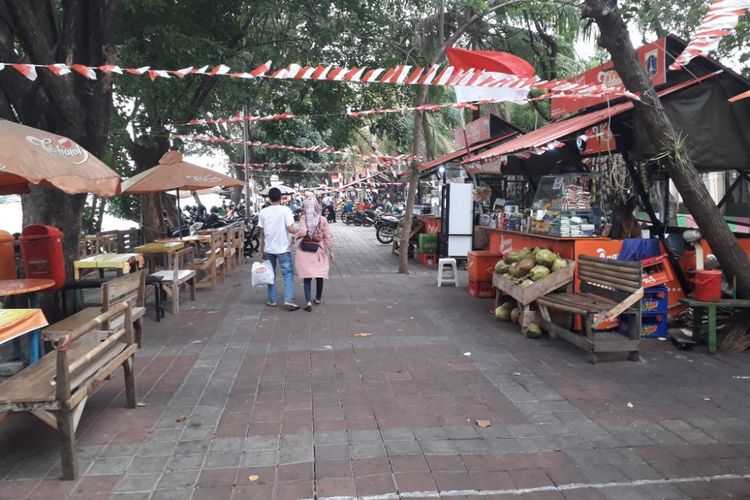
7	256
42	253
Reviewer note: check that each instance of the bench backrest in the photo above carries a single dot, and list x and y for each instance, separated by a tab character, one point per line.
613	279
78	372
183	260
128	288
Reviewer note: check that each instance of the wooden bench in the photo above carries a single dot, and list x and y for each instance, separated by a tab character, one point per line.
55	388
128	288
609	288
211	268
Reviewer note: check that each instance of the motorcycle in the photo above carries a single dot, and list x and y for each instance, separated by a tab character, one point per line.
385	228
252	236
329	214
366	218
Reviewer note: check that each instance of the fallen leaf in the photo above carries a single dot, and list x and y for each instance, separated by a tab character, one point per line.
253	477
196	342
467	354
140	404
181	418
630	405
706	399
362	334
516	373
742	377
483	423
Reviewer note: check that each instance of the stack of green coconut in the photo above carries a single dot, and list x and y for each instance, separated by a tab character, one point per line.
524	268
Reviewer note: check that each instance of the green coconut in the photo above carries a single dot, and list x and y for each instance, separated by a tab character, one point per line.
503	312
526	283
516	271
533	331
545	257
538	272
523	253
558	264
501	267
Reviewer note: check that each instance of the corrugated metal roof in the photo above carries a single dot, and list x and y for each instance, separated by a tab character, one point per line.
459	153
557	130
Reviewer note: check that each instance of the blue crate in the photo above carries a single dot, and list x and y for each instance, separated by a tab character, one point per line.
651	326
655	301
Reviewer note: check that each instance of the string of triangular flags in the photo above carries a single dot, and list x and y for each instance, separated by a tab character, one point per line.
401	75
719	21
323	164
388	159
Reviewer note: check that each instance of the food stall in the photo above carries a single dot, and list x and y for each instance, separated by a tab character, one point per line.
602	146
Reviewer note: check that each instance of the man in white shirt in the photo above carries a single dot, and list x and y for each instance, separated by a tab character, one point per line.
276	223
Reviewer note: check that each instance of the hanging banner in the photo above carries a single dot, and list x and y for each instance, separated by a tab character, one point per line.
653	58
722	17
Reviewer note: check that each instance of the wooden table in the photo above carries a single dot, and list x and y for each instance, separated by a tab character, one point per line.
191	239
700	308
27	287
119	261
165	249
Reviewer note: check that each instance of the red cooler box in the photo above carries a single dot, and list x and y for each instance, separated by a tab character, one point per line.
481	264
7	256
42	252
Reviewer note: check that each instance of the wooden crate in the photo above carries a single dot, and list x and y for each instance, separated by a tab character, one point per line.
526	296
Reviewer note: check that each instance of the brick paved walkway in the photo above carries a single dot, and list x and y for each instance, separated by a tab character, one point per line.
296	400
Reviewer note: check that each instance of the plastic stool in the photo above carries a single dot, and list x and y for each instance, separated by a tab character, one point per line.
442	264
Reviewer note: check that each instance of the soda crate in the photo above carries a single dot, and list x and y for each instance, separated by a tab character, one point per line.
651	326
428	243
428	259
656	271
655	301
481	264
481	288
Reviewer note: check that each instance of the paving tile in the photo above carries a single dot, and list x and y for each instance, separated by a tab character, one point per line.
375	484
415	481
336	487
136	483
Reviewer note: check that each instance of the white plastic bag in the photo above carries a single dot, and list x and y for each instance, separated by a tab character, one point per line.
262	273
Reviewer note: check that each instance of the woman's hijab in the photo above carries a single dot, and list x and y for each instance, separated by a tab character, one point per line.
312	215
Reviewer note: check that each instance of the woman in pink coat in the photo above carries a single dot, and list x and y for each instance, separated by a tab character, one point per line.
310	262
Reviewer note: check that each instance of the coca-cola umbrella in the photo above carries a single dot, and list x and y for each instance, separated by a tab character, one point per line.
173	173
32	156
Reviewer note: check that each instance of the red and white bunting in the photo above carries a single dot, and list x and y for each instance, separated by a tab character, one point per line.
722	17
387	159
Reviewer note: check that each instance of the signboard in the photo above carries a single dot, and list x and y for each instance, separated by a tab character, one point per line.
652	56
599	139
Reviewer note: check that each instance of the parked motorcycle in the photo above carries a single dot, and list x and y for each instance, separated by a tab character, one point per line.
385	228
365	218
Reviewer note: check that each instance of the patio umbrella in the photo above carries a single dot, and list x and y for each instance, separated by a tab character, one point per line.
172	173
32	156
285	190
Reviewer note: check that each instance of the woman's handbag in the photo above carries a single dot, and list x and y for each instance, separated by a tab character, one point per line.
308	245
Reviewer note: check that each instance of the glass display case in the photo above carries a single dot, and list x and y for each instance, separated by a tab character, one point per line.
567	206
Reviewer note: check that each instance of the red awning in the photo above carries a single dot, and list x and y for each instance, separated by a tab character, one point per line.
558	130
458	154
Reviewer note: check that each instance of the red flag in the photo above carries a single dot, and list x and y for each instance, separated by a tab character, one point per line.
497	62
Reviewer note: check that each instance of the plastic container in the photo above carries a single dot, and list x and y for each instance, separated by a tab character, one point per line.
428	243
42	253
428	259
7	256
707	285
656	271
655	300
481	264
482	289
651	326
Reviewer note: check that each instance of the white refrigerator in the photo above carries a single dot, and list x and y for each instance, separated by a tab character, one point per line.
458	220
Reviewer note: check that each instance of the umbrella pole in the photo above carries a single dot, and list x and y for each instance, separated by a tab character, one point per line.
179	214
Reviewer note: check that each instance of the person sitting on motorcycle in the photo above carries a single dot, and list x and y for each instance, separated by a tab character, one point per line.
328	207
348	206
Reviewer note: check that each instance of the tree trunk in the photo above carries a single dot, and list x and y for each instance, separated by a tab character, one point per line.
100	214
417	148
650	115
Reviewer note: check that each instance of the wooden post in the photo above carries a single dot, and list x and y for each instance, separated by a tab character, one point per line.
128	368
65	421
